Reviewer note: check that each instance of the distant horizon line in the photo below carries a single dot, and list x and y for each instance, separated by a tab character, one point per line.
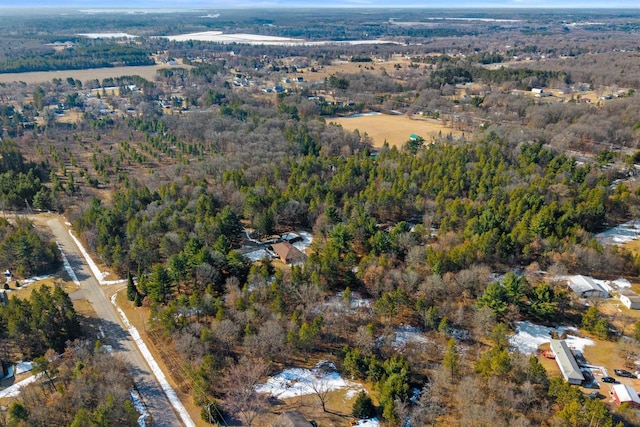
332	6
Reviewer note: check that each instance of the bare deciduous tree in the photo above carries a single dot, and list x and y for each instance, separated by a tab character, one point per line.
241	398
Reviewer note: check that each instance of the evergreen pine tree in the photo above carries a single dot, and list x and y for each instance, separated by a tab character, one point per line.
131	288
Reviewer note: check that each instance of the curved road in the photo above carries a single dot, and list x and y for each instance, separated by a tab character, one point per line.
115	334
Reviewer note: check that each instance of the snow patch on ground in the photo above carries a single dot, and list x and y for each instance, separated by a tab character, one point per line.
99	275
355	303
144	350
14	390
22	367
623	233
373	422
142	410
407	334
529	337
306	241
34	279
256	256
296	382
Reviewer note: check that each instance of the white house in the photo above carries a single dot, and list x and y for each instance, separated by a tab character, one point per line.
630	299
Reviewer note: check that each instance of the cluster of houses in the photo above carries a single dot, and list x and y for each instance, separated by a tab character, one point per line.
587	287
571	372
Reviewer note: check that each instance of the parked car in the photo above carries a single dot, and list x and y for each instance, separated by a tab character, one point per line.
623	373
594	395
608	380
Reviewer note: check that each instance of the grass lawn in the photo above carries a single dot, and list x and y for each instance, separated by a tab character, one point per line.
395	130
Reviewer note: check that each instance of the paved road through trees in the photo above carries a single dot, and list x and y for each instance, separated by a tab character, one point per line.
115	335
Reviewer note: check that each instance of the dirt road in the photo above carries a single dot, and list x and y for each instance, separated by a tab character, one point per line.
115	335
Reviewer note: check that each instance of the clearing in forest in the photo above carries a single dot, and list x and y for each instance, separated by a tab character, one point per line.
395	129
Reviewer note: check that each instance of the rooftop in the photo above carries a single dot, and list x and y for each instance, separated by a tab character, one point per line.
566	361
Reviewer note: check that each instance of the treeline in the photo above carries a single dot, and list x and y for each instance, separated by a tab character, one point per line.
47	320
523	78
20	181
79	57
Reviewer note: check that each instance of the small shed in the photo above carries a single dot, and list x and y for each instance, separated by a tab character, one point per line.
288	253
623	393
630	299
586	287
567	362
291	419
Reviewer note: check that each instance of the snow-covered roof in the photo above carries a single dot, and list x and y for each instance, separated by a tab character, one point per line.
586	286
626	393
566	361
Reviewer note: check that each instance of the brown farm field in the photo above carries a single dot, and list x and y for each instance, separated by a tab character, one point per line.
148	72
396	130
346	67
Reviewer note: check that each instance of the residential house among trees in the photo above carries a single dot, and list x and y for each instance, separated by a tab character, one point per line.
288	253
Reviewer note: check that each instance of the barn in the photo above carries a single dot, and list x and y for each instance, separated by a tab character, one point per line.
623	393
586	287
567	362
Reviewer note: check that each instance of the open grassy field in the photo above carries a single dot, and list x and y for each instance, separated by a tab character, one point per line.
633	247
396	130
147	72
346	67
24	291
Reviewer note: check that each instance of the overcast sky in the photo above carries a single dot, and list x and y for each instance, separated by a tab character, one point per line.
213	4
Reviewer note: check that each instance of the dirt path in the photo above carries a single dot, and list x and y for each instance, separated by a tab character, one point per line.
115	335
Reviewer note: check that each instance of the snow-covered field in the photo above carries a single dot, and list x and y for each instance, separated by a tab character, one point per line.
296	382
220	37
621	234
108	35
529	337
